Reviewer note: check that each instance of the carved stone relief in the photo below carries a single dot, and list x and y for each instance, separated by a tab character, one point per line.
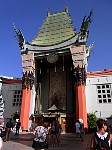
57	92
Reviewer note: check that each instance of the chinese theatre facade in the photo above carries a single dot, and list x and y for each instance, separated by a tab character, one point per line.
54	72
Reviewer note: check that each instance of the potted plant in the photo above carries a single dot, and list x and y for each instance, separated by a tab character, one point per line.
91	119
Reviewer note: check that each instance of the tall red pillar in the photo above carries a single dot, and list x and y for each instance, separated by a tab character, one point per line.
81	104
27	84
79	58
25	108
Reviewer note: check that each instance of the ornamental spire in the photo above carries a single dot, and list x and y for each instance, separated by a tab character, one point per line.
19	36
66	8
85	24
48	12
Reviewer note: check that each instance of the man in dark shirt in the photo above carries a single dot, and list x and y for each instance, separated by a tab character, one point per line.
18	124
9	126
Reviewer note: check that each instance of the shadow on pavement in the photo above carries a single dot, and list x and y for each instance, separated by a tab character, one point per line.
69	141
23	138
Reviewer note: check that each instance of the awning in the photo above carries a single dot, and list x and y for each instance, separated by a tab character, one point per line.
53	108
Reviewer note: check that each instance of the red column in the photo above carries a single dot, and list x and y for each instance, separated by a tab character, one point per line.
81	104
25	108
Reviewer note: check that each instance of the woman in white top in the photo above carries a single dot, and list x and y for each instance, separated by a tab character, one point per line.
101	134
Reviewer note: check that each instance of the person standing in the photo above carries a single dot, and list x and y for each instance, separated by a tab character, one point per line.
77	129
40	133
58	132
9	126
82	132
101	139
18	125
53	133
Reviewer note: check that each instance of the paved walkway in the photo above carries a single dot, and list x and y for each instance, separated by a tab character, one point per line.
69	142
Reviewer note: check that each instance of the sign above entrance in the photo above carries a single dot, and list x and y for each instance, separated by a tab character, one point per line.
52	57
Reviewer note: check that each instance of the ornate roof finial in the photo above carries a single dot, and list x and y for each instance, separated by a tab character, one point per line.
48	12
20	37
66	8
88	50
86	23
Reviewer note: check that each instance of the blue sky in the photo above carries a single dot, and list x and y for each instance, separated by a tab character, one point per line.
28	16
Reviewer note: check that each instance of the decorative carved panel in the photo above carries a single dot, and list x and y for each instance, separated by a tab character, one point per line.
57	92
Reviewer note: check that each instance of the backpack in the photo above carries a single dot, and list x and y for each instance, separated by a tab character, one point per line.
102	144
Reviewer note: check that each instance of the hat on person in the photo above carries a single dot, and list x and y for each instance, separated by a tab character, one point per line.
80	120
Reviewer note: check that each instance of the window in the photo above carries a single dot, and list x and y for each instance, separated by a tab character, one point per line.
100	100
104	93
99	96
104	96
107	86
98	87
17	98
109	100
99	91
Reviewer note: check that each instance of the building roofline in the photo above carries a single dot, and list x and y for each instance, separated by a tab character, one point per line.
10	81
99	73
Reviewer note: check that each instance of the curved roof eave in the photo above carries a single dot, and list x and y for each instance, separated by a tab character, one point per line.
37	49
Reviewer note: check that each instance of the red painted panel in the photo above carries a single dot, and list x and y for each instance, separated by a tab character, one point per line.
81	104
25	108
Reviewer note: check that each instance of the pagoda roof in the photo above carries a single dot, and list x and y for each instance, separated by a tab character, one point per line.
57	28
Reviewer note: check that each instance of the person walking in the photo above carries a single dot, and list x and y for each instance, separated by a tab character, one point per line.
82	132
18	125
9	126
77	129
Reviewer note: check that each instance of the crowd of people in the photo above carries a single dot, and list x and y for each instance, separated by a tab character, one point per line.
55	130
43	133
49	133
5	131
101	138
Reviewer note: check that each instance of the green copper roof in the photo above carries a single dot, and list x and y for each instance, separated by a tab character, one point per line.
56	29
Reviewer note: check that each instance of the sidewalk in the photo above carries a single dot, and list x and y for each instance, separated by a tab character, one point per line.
69	142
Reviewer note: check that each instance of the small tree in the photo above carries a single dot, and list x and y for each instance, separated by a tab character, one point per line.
91	119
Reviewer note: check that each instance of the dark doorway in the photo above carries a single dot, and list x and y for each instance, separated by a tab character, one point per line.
49	119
